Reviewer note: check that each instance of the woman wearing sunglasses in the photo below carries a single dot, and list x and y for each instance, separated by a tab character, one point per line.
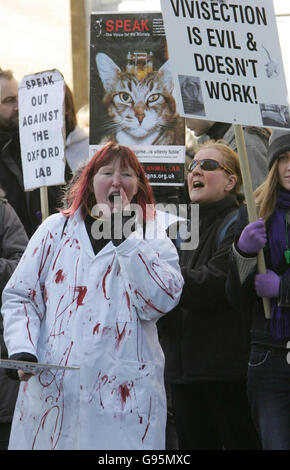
204	339
269	364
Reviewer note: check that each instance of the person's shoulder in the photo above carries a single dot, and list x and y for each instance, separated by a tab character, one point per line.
242	211
260	133
78	135
2	196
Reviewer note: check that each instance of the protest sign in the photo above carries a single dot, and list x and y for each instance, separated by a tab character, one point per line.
226	61
132	98
41	127
230	70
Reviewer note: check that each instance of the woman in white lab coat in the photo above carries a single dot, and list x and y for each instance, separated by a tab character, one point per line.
78	300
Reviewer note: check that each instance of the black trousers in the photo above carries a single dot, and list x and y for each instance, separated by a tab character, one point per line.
4	435
213	416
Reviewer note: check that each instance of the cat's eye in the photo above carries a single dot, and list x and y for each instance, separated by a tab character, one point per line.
153	98
125	97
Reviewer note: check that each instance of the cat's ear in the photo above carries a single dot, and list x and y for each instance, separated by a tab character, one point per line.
167	78
107	70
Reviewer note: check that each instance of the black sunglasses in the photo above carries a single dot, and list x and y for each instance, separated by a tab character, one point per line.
207	165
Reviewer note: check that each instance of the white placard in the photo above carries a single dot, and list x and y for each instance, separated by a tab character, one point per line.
226	61
41	127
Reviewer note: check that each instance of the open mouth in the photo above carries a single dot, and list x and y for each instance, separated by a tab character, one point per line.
197	184
114	197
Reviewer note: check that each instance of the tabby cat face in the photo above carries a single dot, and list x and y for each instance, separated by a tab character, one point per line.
137	107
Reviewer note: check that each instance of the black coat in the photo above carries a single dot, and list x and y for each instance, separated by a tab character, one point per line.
204	338
13	241
25	203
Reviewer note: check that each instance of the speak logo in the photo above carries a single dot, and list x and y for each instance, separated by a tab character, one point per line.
98	27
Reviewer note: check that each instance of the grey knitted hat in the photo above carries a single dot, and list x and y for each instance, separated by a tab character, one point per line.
279	143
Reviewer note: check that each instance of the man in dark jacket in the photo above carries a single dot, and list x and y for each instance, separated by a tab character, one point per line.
26	204
13	241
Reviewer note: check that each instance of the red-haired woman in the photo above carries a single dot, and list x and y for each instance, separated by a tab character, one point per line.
80	300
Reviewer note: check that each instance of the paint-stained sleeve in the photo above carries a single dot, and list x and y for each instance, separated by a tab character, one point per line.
23	299
151	273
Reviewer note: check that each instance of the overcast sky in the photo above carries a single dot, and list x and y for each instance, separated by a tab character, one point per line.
35	34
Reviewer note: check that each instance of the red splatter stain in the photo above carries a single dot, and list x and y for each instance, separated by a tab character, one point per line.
128	301
148	420
45	295
121	335
53	266
105	277
56	410
27	325
156	278
44	256
59	277
55	435
81	290
124	393
96	328
148	303
100	382
35	251
32	294
59	251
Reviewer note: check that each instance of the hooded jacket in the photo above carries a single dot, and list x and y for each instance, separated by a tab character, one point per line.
76	148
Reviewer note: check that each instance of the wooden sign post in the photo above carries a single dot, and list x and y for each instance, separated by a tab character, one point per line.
251	206
44	203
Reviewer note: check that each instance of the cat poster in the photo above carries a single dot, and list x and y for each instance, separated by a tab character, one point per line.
132	99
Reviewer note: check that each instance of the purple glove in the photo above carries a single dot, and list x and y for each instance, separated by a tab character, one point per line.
253	238
267	285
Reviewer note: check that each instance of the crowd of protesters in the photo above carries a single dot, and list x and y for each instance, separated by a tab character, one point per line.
158	346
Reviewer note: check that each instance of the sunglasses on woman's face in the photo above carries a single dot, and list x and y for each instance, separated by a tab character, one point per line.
207	165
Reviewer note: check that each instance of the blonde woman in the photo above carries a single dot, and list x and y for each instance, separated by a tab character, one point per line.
269	365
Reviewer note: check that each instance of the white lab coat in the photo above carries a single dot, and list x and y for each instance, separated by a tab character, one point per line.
69	307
